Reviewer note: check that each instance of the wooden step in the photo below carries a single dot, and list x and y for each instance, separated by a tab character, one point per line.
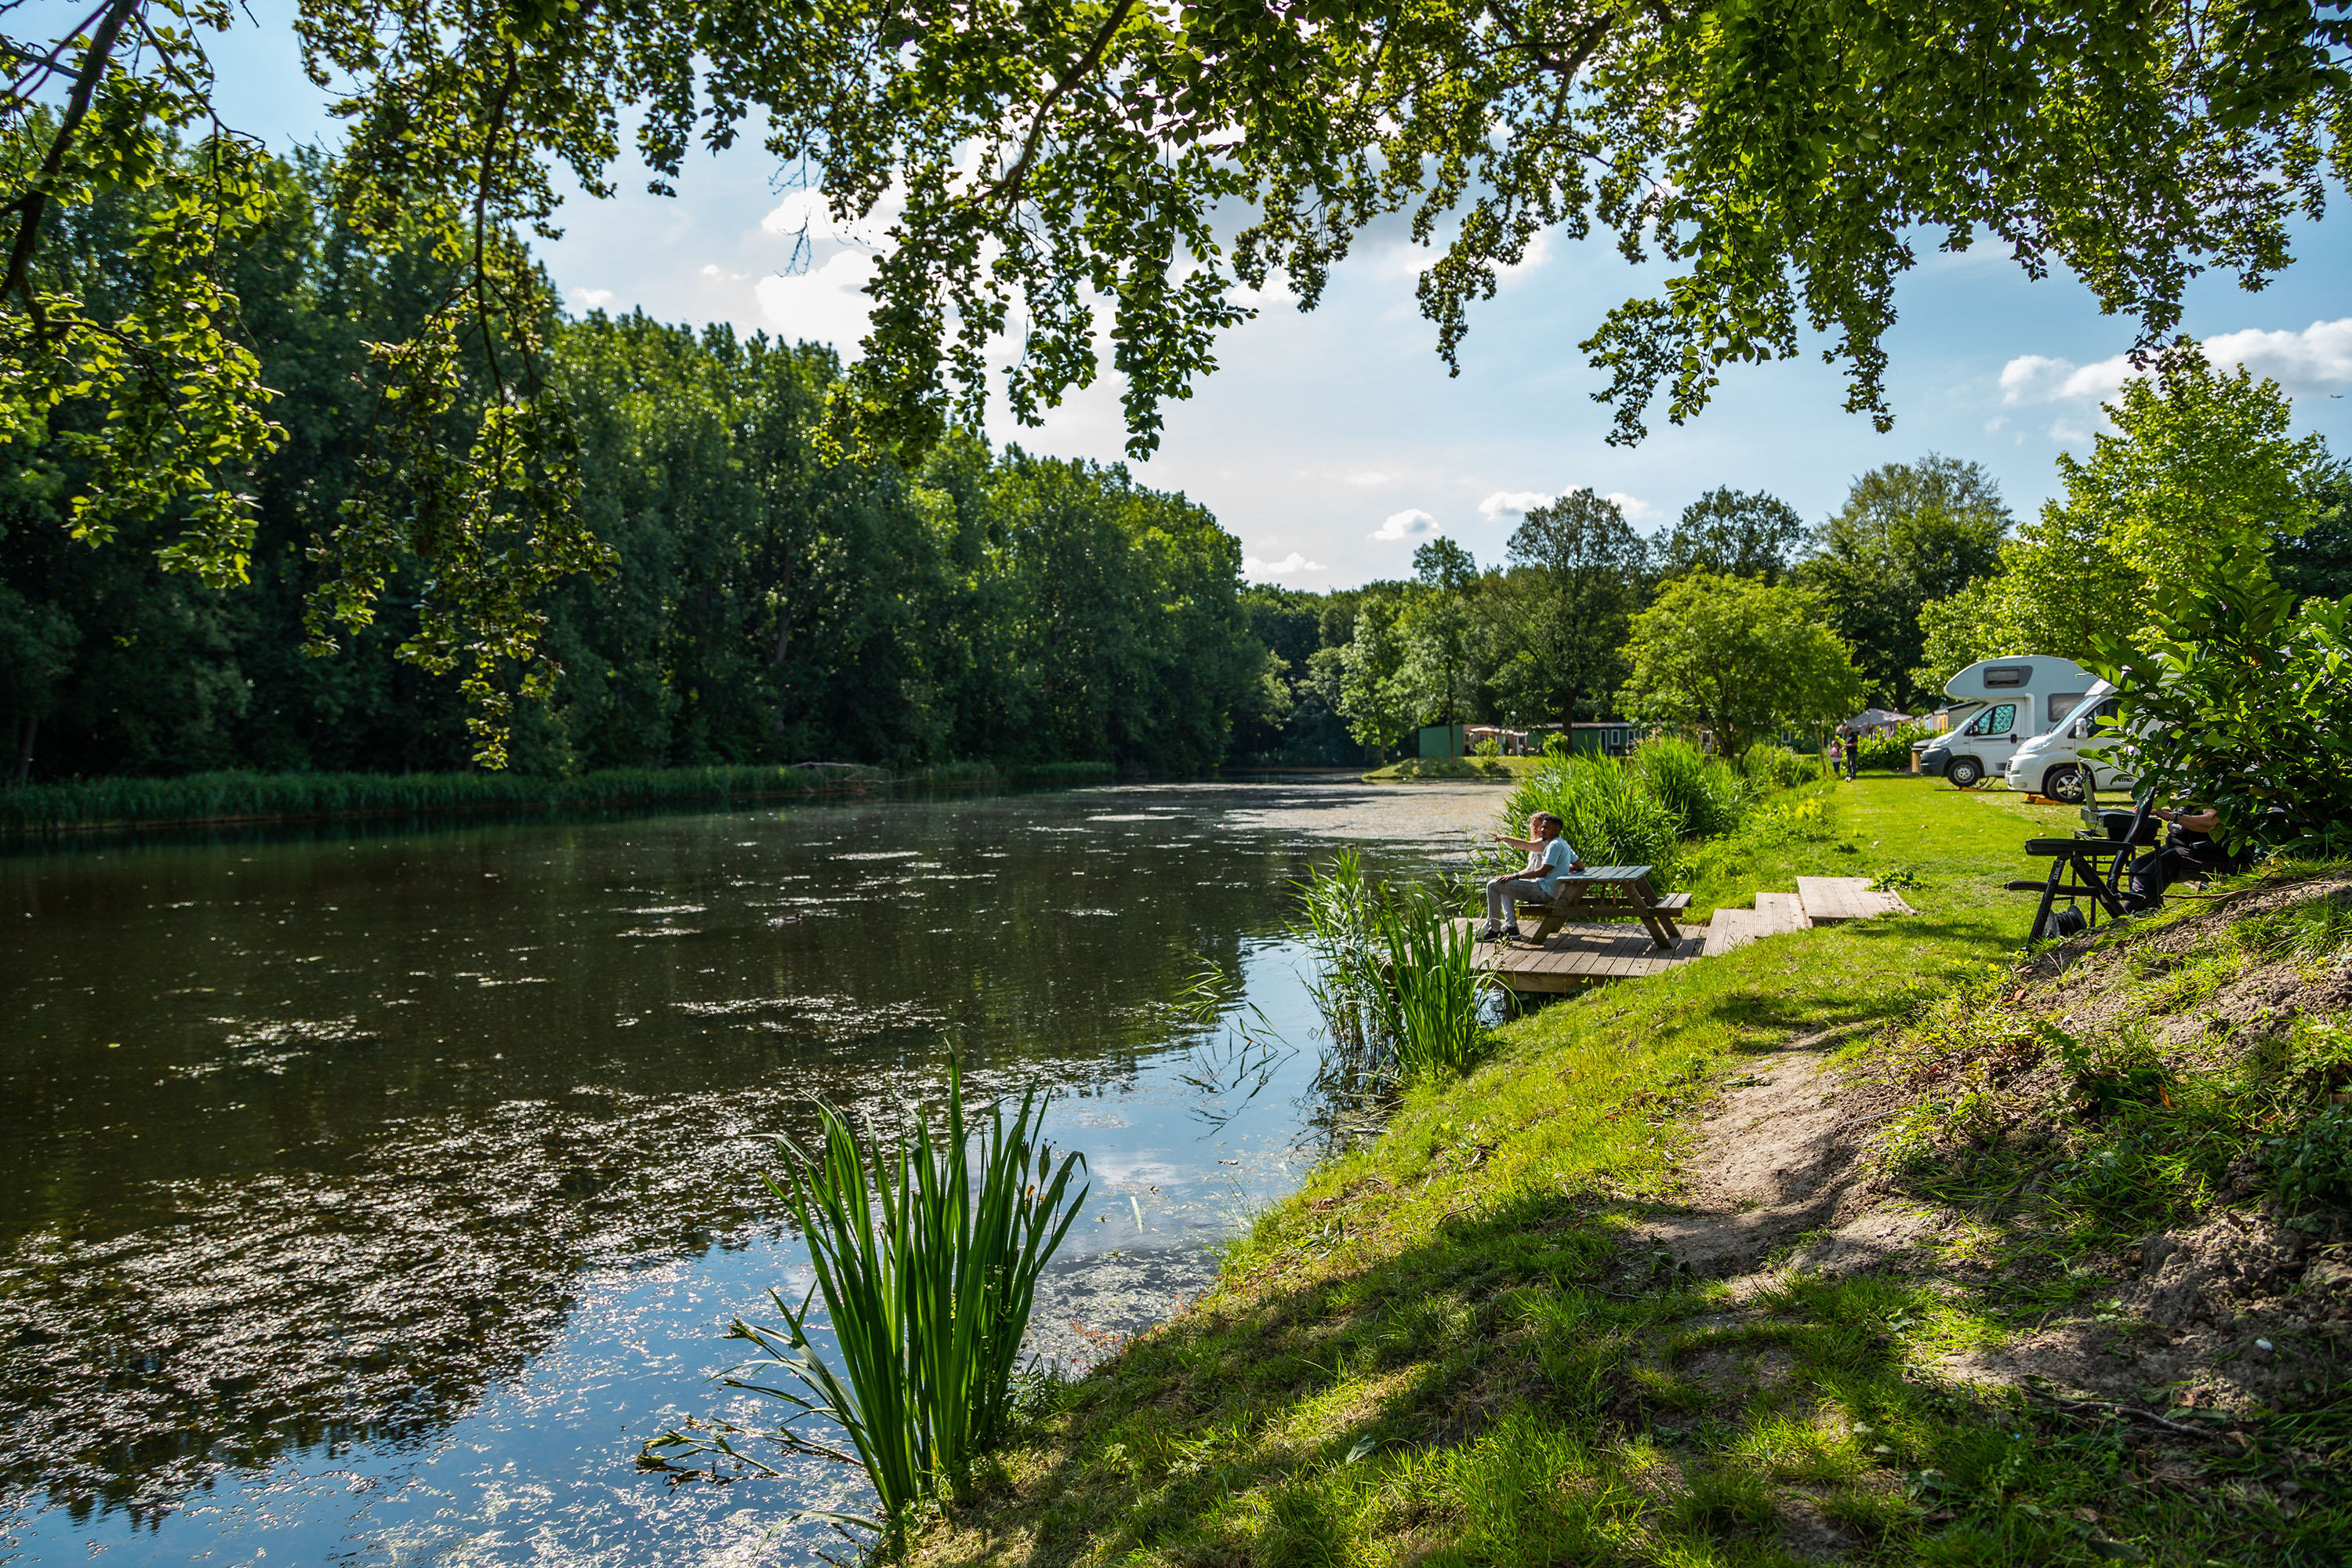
1727	929
1830	900
1779	912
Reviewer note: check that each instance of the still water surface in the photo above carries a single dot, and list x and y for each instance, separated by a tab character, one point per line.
371	1200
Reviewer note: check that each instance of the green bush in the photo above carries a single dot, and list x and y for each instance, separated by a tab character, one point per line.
1892	754
1768	766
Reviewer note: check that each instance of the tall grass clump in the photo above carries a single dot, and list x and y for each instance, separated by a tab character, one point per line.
928	1260
1706	795
1395	978
1612	818
1434	990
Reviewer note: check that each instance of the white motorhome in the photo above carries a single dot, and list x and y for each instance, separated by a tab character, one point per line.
2053	765
2009	702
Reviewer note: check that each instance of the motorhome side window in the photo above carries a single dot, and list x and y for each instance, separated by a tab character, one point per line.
1997	719
2004	675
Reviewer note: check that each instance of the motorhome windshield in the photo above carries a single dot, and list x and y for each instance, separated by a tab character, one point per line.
2089	706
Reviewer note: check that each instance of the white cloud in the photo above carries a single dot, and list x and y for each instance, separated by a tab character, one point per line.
804	212
1635	507
1414	524
2316	359
1511	504
826	303
1294	561
1368	478
594	298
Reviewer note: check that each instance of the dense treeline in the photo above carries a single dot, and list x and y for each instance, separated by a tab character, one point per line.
767	606
1547	636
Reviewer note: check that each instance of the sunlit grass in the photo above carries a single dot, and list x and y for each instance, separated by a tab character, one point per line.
1440	1350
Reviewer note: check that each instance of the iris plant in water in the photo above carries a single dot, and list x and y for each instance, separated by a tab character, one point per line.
928	1258
1396	979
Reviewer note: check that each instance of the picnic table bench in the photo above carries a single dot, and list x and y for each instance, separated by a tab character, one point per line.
1612	892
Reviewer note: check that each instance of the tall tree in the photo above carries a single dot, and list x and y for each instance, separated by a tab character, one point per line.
2202	465
1563	614
1066	156
1909	533
1732	533
1739	657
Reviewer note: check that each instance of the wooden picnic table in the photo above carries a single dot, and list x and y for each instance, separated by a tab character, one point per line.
1614	892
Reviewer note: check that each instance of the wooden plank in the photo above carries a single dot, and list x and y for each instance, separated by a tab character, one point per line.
1779	912
1830	900
1729	929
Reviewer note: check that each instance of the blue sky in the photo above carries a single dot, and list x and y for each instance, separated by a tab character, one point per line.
1332	443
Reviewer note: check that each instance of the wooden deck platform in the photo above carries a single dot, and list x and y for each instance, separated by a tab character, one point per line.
1576	956
1579	954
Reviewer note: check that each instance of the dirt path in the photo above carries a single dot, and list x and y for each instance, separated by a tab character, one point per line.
1781	1161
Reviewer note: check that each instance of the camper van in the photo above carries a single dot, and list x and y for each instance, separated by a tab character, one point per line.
2053	764
2000	704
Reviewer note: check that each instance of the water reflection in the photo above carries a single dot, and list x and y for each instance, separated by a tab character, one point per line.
374	1198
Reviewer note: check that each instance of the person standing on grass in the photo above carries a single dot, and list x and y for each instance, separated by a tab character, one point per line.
1550	858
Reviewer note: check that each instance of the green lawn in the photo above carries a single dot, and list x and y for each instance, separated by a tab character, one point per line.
1428	1354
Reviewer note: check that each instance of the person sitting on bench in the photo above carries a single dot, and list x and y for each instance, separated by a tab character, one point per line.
2189	854
1548	857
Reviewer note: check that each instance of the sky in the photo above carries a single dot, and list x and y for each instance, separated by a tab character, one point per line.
1333	443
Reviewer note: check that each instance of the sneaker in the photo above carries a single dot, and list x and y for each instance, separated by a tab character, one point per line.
1490	932
1511	933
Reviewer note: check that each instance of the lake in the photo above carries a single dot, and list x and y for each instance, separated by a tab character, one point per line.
371	1197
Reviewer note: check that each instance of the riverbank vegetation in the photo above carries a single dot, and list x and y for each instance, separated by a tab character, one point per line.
928	1256
206	799
1394	977
767	601
1461	1343
1665	803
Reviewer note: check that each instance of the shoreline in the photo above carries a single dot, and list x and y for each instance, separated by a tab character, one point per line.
124	806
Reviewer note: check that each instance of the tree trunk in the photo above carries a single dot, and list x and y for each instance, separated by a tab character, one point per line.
25	750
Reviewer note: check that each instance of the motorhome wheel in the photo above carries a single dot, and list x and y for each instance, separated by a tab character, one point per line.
1963	771
2067	784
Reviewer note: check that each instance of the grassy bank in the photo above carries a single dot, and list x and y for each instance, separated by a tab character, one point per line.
1448	1348
1474	770
208	799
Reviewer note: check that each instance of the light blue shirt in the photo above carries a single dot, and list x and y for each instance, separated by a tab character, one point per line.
1556	859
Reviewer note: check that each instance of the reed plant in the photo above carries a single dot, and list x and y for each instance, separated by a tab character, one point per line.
1395	978
1436	989
926	1255
1706	795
